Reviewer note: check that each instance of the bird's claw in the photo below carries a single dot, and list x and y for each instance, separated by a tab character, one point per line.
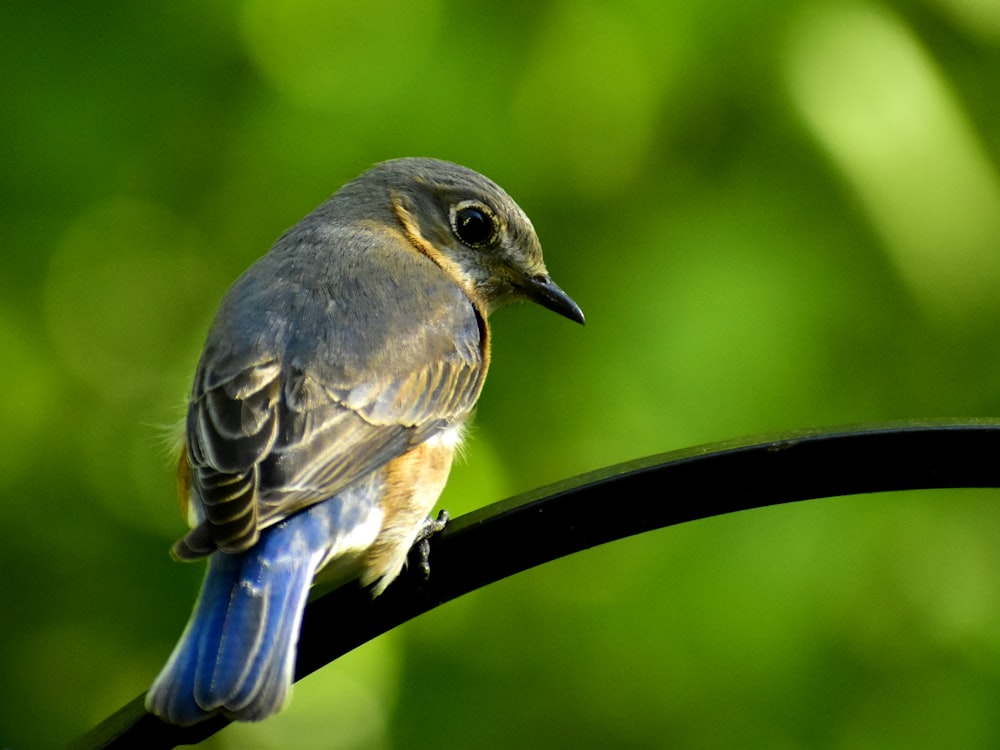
420	552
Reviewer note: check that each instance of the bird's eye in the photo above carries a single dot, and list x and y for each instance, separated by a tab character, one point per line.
473	223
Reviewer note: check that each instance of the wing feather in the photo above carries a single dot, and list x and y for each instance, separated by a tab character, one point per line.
283	419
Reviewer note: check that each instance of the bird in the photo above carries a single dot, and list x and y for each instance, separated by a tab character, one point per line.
332	392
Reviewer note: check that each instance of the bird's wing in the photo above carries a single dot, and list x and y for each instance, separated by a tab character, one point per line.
270	435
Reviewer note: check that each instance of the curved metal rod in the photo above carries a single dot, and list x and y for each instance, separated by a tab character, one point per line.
517	534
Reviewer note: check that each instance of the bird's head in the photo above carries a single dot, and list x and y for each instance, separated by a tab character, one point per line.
473	230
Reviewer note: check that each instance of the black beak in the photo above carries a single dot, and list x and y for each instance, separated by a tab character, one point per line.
546	292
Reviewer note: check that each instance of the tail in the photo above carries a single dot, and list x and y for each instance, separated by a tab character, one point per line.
237	653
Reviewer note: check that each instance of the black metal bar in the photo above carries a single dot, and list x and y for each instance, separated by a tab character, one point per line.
631	498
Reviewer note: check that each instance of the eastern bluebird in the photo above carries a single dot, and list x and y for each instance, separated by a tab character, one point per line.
328	402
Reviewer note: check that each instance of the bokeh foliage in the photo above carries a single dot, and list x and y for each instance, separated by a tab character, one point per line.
775	215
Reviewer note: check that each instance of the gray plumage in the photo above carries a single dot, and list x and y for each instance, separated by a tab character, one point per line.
326	407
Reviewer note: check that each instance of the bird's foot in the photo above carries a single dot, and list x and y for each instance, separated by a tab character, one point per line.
420	552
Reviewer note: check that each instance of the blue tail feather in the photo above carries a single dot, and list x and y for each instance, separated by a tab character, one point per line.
237	653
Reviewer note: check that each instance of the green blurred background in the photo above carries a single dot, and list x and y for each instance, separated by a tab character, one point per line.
776	214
